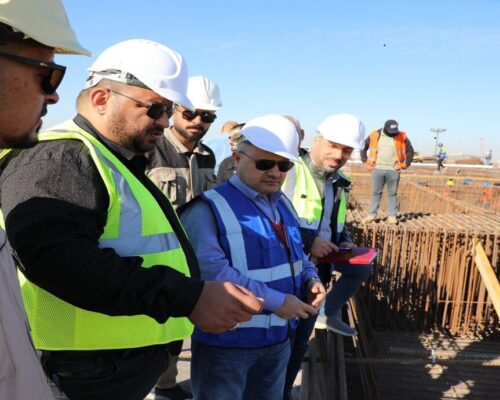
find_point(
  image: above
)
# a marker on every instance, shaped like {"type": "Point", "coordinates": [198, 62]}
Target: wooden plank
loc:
{"type": "Point", "coordinates": [488, 275]}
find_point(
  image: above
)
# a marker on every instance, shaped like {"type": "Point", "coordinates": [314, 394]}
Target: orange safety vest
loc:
{"type": "Point", "coordinates": [399, 143]}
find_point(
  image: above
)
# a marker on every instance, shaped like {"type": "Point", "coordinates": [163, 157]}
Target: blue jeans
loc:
{"type": "Point", "coordinates": [351, 280]}
{"type": "Point", "coordinates": [233, 374]}
{"type": "Point", "coordinates": [381, 177]}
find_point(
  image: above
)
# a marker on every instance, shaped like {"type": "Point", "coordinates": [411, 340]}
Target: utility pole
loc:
{"type": "Point", "coordinates": [437, 131]}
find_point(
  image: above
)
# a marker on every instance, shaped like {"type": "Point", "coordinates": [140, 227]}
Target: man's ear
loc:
{"type": "Point", "coordinates": [99, 98]}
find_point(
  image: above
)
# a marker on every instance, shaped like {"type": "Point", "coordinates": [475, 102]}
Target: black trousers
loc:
{"type": "Point", "coordinates": [106, 374]}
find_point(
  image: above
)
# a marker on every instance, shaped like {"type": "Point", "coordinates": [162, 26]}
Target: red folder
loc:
{"type": "Point", "coordinates": [356, 256]}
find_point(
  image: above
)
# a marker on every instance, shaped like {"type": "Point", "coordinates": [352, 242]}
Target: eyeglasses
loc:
{"type": "Point", "coordinates": [205, 116]}
{"type": "Point", "coordinates": [155, 110]}
{"type": "Point", "coordinates": [51, 82]}
{"type": "Point", "coordinates": [266, 165]}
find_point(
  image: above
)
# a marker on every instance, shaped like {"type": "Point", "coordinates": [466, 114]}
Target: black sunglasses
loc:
{"type": "Point", "coordinates": [155, 110]}
{"type": "Point", "coordinates": [51, 82]}
{"type": "Point", "coordinates": [205, 116]}
{"type": "Point", "coordinates": [266, 165]}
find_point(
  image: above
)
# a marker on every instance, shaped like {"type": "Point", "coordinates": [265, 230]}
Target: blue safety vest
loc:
{"type": "Point", "coordinates": [254, 249]}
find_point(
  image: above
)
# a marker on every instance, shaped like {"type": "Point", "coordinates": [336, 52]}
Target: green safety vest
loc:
{"type": "Point", "coordinates": [301, 189]}
{"type": "Point", "coordinates": [136, 226]}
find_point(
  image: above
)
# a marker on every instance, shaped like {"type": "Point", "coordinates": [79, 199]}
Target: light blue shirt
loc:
{"type": "Point", "coordinates": [221, 148]}
{"type": "Point", "coordinates": [201, 227]}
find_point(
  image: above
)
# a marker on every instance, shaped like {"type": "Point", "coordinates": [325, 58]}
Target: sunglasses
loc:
{"type": "Point", "coordinates": [205, 116]}
{"type": "Point", "coordinates": [155, 110]}
{"type": "Point", "coordinates": [266, 165]}
{"type": "Point", "coordinates": [51, 82]}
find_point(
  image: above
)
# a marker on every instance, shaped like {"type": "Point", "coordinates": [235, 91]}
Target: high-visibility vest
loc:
{"type": "Point", "coordinates": [303, 192]}
{"type": "Point", "coordinates": [253, 248]}
{"type": "Point", "coordinates": [399, 144]}
{"type": "Point", "coordinates": [135, 226]}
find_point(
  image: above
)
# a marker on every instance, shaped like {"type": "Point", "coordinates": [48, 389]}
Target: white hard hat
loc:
{"type": "Point", "coordinates": [140, 62]}
{"type": "Point", "coordinates": [345, 129]}
{"type": "Point", "coordinates": [273, 133]}
{"type": "Point", "coordinates": [203, 93]}
{"type": "Point", "coordinates": [44, 21]}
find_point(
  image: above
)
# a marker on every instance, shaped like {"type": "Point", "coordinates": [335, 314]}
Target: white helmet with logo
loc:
{"type": "Point", "coordinates": [203, 93]}
{"type": "Point", "coordinates": [144, 63]}
{"type": "Point", "coordinates": [44, 21]}
{"type": "Point", "coordinates": [273, 133]}
{"type": "Point", "coordinates": [345, 129]}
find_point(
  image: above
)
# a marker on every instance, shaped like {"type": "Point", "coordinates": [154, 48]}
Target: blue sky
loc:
{"type": "Point", "coordinates": [439, 68]}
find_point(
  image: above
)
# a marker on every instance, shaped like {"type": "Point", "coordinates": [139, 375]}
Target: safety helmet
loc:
{"type": "Point", "coordinates": [440, 145]}
{"type": "Point", "coordinates": [273, 133]}
{"type": "Point", "coordinates": [203, 93]}
{"type": "Point", "coordinates": [143, 63]}
{"type": "Point", "coordinates": [44, 21]}
{"type": "Point", "coordinates": [345, 129]}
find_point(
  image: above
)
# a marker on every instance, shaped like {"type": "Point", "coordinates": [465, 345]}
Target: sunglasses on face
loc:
{"type": "Point", "coordinates": [51, 82]}
{"type": "Point", "coordinates": [205, 116]}
{"type": "Point", "coordinates": [266, 165]}
{"type": "Point", "coordinates": [155, 110]}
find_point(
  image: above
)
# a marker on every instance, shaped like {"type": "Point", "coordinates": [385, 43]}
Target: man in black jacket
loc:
{"type": "Point", "coordinates": [106, 260]}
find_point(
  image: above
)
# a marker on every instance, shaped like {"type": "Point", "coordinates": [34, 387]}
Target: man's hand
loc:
{"type": "Point", "coordinates": [368, 167]}
{"type": "Point", "coordinates": [292, 307]}
{"type": "Point", "coordinates": [322, 247]}
{"type": "Point", "coordinates": [316, 293]}
{"type": "Point", "coordinates": [222, 305]}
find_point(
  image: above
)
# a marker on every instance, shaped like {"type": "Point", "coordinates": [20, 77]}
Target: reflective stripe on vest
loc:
{"type": "Point", "coordinates": [135, 226]}
{"type": "Point", "coordinates": [301, 189]}
{"type": "Point", "coordinates": [237, 246]}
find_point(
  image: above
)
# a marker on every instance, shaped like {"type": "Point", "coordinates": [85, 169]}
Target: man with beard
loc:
{"type": "Point", "coordinates": [31, 32]}
{"type": "Point", "coordinates": [111, 277]}
{"type": "Point", "coordinates": [181, 165]}
{"type": "Point", "coordinates": [387, 152]}
{"type": "Point", "coordinates": [318, 190]}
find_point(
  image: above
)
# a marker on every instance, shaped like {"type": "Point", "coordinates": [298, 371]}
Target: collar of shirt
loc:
{"type": "Point", "coordinates": [199, 148]}
{"type": "Point", "coordinates": [267, 204]}
{"type": "Point", "coordinates": [139, 160]}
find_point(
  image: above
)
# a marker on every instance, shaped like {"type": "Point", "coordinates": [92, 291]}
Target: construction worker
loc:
{"type": "Point", "coordinates": [441, 156]}
{"type": "Point", "coordinates": [183, 167]}
{"type": "Point", "coordinates": [227, 167]}
{"type": "Point", "coordinates": [250, 235]}
{"type": "Point", "coordinates": [318, 190]}
{"type": "Point", "coordinates": [106, 261]}
{"type": "Point", "coordinates": [487, 195]}
{"type": "Point", "coordinates": [30, 33]}
{"type": "Point", "coordinates": [387, 152]}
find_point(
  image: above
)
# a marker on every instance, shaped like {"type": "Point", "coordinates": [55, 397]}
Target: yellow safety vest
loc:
{"type": "Point", "coordinates": [302, 191]}
{"type": "Point", "coordinates": [136, 226]}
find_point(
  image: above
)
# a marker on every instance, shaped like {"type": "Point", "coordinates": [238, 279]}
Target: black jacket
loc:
{"type": "Point", "coordinates": [55, 207]}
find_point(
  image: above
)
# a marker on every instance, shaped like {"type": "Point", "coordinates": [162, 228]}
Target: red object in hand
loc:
{"type": "Point", "coordinates": [357, 256]}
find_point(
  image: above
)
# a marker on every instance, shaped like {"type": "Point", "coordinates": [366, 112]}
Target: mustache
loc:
{"type": "Point", "coordinates": [43, 112]}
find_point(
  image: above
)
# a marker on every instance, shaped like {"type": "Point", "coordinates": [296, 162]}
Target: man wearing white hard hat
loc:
{"type": "Point", "coordinates": [250, 235]}
{"type": "Point", "coordinates": [318, 190]}
{"type": "Point", "coordinates": [31, 32]}
{"type": "Point", "coordinates": [183, 167]}
{"type": "Point", "coordinates": [110, 275]}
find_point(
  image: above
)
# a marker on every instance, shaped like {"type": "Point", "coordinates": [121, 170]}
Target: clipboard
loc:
{"type": "Point", "coordinates": [355, 256]}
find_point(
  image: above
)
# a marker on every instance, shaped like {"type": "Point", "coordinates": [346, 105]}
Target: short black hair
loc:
{"type": "Point", "coordinates": [7, 34]}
